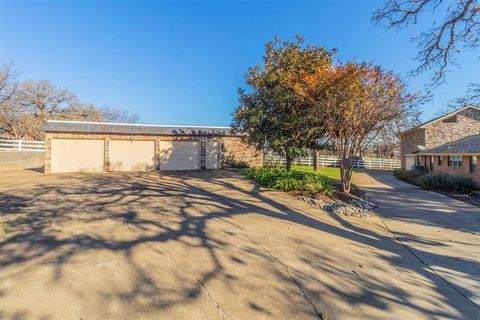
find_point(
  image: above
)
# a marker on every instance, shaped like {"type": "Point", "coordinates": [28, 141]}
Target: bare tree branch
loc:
{"type": "Point", "coordinates": [112, 114]}
{"type": "Point", "coordinates": [25, 107]}
{"type": "Point", "coordinates": [459, 28]}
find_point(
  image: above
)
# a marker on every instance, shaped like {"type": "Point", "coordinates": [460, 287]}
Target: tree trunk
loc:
{"type": "Point", "coordinates": [15, 133]}
{"type": "Point", "coordinates": [346, 184]}
{"type": "Point", "coordinates": [345, 176]}
{"type": "Point", "coordinates": [288, 161]}
{"type": "Point", "coordinates": [315, 159]}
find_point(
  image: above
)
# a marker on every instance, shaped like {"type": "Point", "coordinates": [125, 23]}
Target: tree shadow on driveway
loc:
{"type": "Point", "coordinates": [442, 232]}
{"type": "Point", "coordinates": [209, 243]}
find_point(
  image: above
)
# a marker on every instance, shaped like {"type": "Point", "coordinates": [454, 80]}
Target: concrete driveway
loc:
{"type": "Point", "coordinates": [201, 245]}
{"type": "Point", "coordinates": [442, 232]}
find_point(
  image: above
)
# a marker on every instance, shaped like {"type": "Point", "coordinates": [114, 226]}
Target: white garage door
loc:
{"type": "Point", "coordinates": [126, 155]}
{"type": "Point", "coordinates": [213, 155]}
{"type": "Point", "coordinates": [179, 155]}
{"type": "Point", "coordinates": [73, 155]}
{"type": "Point", "coordinates": [409, 162]}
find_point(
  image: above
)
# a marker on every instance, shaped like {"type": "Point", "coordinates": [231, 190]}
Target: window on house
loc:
{"type": "Point", "coordinates": [450, 120]}
{"type": "Point", "coordinates": [440, 160]}
{"type": "Point", "coordinates": [473, 164]}
{"type": "Point", "coordinates": [455, 161]}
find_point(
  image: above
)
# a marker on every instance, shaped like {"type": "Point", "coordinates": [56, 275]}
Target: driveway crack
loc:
{"type": "Point", "coordinates": [202, 284]}
{"type": "Point", "coordinates": [301, 288]}
{"type": "Point", "coordinates": [284, 266]}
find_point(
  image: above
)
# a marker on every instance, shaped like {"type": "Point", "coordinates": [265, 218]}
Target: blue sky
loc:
{"type": "Point", "coordinates": [182, 62]}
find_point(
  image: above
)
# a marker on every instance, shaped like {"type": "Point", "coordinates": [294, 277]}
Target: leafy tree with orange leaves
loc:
{"type": "Point", "coordinates": [355, 101]}
{"type": "Point", "coordinates": [271, 112]}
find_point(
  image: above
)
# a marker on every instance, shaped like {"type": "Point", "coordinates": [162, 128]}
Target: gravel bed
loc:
{"type": "Point", "coordinates": [359, 207]}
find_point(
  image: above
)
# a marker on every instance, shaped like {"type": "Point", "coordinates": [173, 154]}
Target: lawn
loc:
{"type": "Point", "coordinates": [333, 173]}
{"type": "Point", "coordinates": [300, 178]}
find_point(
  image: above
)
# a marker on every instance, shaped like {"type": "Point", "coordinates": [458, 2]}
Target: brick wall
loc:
{"type": "Point", "coordinates": [463, 171]}
{"type": "Point", "coordinates": [235, 149]}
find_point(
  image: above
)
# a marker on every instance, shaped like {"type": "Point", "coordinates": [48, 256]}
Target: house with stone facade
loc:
{"type": "Point", "coordinates": [418, 145]}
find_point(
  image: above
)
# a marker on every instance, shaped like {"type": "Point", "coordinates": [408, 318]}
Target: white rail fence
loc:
{"type": "Point", "coordinates": [328, 161]}
{"type": "Point", "coordinates": [21, 145]}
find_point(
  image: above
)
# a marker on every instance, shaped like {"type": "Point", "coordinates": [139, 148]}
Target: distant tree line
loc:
{"type": "Point", "coordinates": [26, 106]}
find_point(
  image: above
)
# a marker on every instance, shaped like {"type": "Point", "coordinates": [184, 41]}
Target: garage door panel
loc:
{"type": "Point", "coordinates": [126, 155]}
{"type": "Point", "coordinates": [77, 155]}
{"type": "Point", "coordinates": [179, 155]}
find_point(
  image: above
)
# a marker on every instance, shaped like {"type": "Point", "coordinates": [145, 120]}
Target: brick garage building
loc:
{"type": "Point", "coordinates": [458, 158]}
{"type": "Point", "coordinates": [450, 127]}
{"type": "Point", "coordinates": [73, 146]}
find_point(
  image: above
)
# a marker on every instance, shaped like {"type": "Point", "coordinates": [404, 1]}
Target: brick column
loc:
{"type": "Point", "coordinates": [157, 153]}
{"type": "Point", "coordinates": [203, 153]}
{"type": "Point", "coordinates": [222, 154]}
{"type": "Point", "coordinates": [106, 155]}
{"type": "Point", "coordinates": [48, 154]}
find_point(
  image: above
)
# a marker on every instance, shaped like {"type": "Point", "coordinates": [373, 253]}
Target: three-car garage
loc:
{"type": "Point", "coordinates": [75, 146]}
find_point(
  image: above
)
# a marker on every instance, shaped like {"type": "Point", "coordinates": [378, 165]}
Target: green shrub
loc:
{"type": "Point", "coordinates": [446, 182]}
{"type": "Point", "coordinates": [278, 178]}
{"type": "Point", "coordinates": [266, 177]}
{"type": "Point", "coordinates": [407, 175]}
{"type": "Point", "coordinates": [287, 181]}
{"type": "Point", "coordinates": [314, 183]}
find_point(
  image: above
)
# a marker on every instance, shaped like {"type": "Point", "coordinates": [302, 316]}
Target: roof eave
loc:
{"type": "Point", "coordinates": [450, 153]}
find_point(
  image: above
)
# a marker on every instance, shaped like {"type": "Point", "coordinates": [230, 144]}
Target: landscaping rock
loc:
{"type": "Point", "coordinates": [349, 207]}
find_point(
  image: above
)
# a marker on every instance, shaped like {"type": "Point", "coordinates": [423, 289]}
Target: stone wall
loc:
{"type": "Point", "coordinates": [235, 149]}
{"type": "Point", "coordinates": [441, 132]}
{"type": "Point", "coordinates": [410, 141]}
{"type": "Point", "coordinates": [20, 160]}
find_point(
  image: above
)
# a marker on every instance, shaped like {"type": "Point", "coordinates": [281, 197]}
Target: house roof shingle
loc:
{"type": "Point", "coordinates": [467, 145]}
{"type": "Point", "coordinates": [128, 128]}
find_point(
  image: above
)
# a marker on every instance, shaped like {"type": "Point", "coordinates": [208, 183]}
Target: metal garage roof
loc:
{"type": "Point", "coordinates": [133, 128]}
